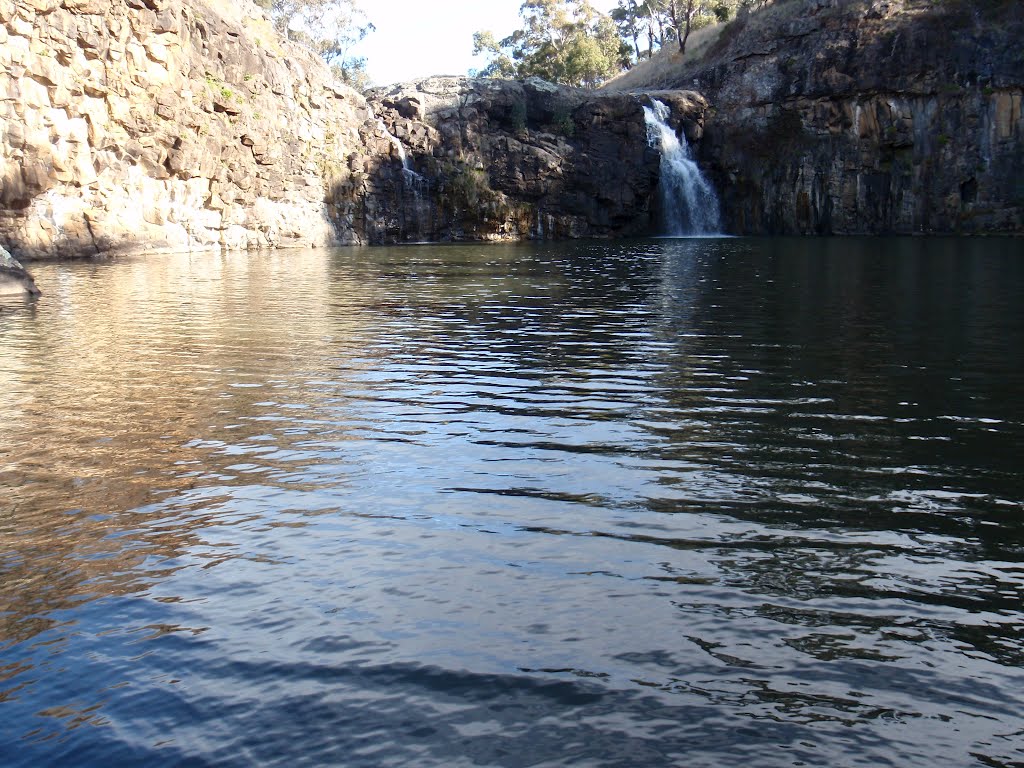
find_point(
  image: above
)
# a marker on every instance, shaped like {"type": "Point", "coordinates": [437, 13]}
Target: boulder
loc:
{"type": "Point", "coordinates": [14, 279]}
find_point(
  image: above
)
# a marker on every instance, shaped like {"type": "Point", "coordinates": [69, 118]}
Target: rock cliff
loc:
{"type": "Point", "coordinates": [163, 124]}
{"type": "Point", "coordinates": [14, 280]}
{"type": "Point", "coordinates": [867, 116]}
{"type": "Point", "coordinates": [174, 124]}
{"type": "Point", "coordinates": [489, 159]}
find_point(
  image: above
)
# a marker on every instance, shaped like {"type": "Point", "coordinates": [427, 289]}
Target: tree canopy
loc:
{"type": "Point", "coordinates": [570, 42]}
{"type": "Point", "coordinates": [657, 23]}
{"type": "Point", "coordinates": [564, 41]}
{"type": "Point", "coordinates": [331, 28]}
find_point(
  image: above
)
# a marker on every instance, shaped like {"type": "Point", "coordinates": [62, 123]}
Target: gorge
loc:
{"type": "Point", "coordinates": [131, 125]}
{"type": "Point", "coordinates": [544, 490]}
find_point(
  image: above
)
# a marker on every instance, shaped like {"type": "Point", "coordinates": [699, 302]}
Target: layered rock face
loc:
{"type": "Point", "coordinates": [128, 124]}
{"type": "Point", "coordinates": [868, 116]}
{"type": "Point", "coordinates": [169, 124]}
{"type": "Point", "coordinates": [491, 159]}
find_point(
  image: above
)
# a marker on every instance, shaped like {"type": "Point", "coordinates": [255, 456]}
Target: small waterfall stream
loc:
{"type": "Point", "coordinates": [688, 201]}
{"type": "Point", "coordinates": [407, 171]}
{"type": "Point", "coordinates": [414, 213]}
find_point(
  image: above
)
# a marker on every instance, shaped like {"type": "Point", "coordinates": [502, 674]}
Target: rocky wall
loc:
{"type": "Point", "coordinates": [876, 163]}
{"type": "Point", "coordinates": [130, 125]}
{"type": "Point", "coordinates": [158, 124]}
{"type": "Point", "coordinates": [501, 160]}
{"type": "Point", "coordinates": [868, 116]}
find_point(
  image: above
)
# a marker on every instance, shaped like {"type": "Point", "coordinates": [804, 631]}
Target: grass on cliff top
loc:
{"type": "Point", "coordinates": [667, 65]}
{"type": "Point", "coordinates": [668, 69]}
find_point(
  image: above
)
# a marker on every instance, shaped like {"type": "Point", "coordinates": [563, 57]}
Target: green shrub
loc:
{"type": "Point", "coordinates": [464, 188]}
{"type": "Point", "coordinates": [562, 122]}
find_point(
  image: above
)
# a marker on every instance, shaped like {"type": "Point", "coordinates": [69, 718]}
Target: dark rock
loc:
{"type": "Point", "coordinates": [492, 159]}
{"type": "Point", "coordinates": [13, 277]}
{"type": "Point", "coordinates": [864, 116]}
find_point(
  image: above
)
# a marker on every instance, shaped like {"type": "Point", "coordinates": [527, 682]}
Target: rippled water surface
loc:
{"type": "Point", "coordinates": [663, 503]}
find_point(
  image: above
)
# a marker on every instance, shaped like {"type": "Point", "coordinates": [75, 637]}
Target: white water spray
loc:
{"type": "Point", "coordinates": [689, 204]}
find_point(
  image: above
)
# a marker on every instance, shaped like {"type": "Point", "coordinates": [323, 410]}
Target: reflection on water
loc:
{"type": "Point", "coordinates": [654, 503]}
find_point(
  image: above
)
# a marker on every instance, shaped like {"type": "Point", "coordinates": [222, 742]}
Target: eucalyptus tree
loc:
{"type": "Point", "coordinates": [664, 21]}
{"type": "Point", "coordinates": [680, 14]}
{"type": "Point", "coordinates": [564, 41]}
{"type": "Point", "coordinates": [331, 28]}
{"type": "Point", "coordinates": [627, 18]}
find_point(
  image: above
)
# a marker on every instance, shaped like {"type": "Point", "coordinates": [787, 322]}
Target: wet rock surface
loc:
{"type": "Point", "coordinates": [14, 280]}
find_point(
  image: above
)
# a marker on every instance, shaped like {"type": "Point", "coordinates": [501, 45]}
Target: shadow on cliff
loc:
{"type": "Point", "coordinates": [68, 248]}
{"type": "Point", "coordinates": [503, 160]}
{"type": "Point", "coordinates": [879, 124]}
{"type": "Point", "coordinates": [430, 199]}
{"type": "Point", "coordinates": [383, 200]}
{"type": "Point", "coordinates": [423, 198]}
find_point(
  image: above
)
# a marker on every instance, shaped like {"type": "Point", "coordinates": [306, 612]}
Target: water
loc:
{"type": "Point", "coordinates": [661, 503]}
{"type": "Point", "coordinates": [689, 206]}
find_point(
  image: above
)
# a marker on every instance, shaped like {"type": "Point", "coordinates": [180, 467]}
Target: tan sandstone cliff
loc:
{"type": "Point", "coordinates": [170, 124]}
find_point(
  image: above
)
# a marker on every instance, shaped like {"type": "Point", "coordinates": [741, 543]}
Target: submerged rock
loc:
{"type": "Point", "coordinates": [14, 279]}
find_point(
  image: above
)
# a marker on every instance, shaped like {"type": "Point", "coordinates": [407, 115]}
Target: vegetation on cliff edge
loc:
{"type": "Point", "coordinates": [331, 28]}
{"type": "Point", "coordinates": [570, 42]}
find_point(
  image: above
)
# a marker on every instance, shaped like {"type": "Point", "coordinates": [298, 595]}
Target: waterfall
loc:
{"type": "Point", "coordinates": [689, 204]}
{"type": "Point", "coordinates": [414, 214]}
{"type": "Point", "coordinates": [407, 171]}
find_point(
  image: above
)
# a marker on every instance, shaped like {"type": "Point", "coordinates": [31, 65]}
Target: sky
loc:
{"type": "Point", "coordinates": [417, 38]}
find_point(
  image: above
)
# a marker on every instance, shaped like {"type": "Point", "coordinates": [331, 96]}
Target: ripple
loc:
{"type": "Point", "coordinates": [593, 504]}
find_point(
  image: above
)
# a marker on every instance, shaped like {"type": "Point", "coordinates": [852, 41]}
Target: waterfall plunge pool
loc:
{"type": "Point", "coordinates": [660, 503]}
